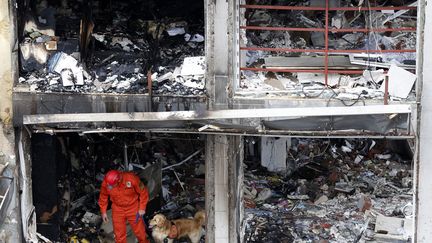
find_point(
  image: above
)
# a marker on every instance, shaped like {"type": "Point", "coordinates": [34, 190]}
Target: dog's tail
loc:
{"type": "Point", "coordinates": [200, 217]}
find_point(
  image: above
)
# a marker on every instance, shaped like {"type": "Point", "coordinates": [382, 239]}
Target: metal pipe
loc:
{"type": "Point", "coordinates": [282, 70]}
{"type": "Point", "coordinates": [280, 49]}
{"type": "Point", "coordinates": [125, 157]}
{"type": "Point", "coordinates": [183, 161]}
{"type": "Point", "coordinates": [372, 51]}
{"type": "Point", "coordinates": [273, 7]}
{"type": "Point", "coordinates": [266, 133]}
{"type": "Point", "coordinates": [374, 30]}
{"type": "Point", "coordinates": [271, 28]}
{"type": "Point", "coordinates": [386, 94]}
{"type": "Point", "coordinates": [326, 38]}
{"type": "Point", "coordinates": [373, 8]}
{"type": "Point", "coordinates": [278, 28]}
{"type": "Point", "coordinates": [149, 82]}
{"type": "Point", "coordinates": [321, 50]}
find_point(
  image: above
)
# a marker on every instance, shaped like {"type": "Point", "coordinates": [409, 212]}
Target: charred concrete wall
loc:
{"type": "Point", "coordinates": [10, 230]}
{"type": "Point", "coordinates": [26, 103]}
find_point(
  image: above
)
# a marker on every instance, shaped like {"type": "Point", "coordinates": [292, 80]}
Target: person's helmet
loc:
{"type": "Point", "coordinates": [112, 177]}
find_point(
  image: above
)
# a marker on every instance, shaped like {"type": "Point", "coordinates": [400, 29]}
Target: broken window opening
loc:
{"type": "Point", "coordinates": [338, 190]}
{"type": "Point", "coordinates": [67, 171]}
{"type": "Point", "coordinates": [127, 46]}
{"type": "Point", "coordinates": [343, 52]}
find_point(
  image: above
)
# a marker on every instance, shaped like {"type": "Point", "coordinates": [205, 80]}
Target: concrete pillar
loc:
{"type": "Point", "coordinates": [219, 51]}
{"type": "Point", "coordinates": [7, 69]}
{"type": "Point", "coordinates": [10, 231]}
{"type": "Point", "coordinates": [223, 161]}
{"type": "Point", "coordinates": [423, 158]}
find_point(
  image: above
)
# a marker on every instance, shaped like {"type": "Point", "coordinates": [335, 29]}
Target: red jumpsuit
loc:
{"type": "Point", "coordinates": [128, 196]}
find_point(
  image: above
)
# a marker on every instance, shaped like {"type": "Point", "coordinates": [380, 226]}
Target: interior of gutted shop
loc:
{"type": "Point", "coordinates": [327, 190]}
{"type": "Point", "coordinates": [126, 46]}
{"type": "Point", "coordinates": [68, 169]}
{"type": "Point", "coordinates": [329, 49]}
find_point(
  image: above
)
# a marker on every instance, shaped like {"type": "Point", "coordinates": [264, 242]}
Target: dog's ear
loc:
{"type": "Point", "coordinates": [160, 220]}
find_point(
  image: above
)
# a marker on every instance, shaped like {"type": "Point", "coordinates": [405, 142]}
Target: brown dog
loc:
{"type": "Point", "coordinates": [178, 228]}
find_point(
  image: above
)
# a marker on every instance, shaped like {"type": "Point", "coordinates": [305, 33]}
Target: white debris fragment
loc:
{"type": "Point", "coordinates": [193, 66]}
{"type": "Point", "coordinates": [78, 75]}
{"type": "Point", "coordinates": [197, 38]}
{"type": "Point", "coordinates": [187, 37]}
{"type": "Point", "coordinates": [67, 77]}
{"type": "Point", "coordinates": [265, 194]}
{"type": "Point", "coordinates": [338, 21]}
{"type": "Point", "coordinates": [63, 61]}
{"type": "Point", "coordinates": [358, 159]}
{"type": "Point", "coordinates": [347, 96]}
{"type": "Point", "coordinates": [191, 83]}
{"type": "Point", "coordinates": [42, 20]}
{"type": "Point", "coordinates": [376, 76]}
{"type": "Point", "coordinates": [54, 80]}
{"type": "Point", "coordinates": [111, 78]}
{"type": "Point", "coordinates": [346, 149]}
{"type": "Point", "coordinates": [124, 42]}
{"type": "Point", "coordinates": [99, 37]}
{"type": "Point", "coordinates": [372, 145]}
{"type": "Point", "coordinates": [154, 76]}
{"type": "Point", "coordinates": [321, 200]}
{"type": "Point", "coordinates": [33, 87]}
{"type": "Point", "coordinates": [400, 82]}
{"type": "Point", "coordinates": [176, 31]}
{"type": "Point", "coordinates": [166, 76]}
{"type": "Point", "coordinates": [333, 79]}
{"type": "Point", "coordinates": [91, 218]}
{"type": "Point", "coordinates": [393, 226]}
{"type": "Point", "coordinates": [123, 85]}
{"type": "Point", "coordinates": [383, 156]}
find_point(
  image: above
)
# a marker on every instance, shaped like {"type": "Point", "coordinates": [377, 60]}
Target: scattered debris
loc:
{"type": "Point", "coordinates": [307, 79]}
{"type": "Point", "coordinates": [120, 48]}
{"type": "Point", "coordinates": [323, 195]}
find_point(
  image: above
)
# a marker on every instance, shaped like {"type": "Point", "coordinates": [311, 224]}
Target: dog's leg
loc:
{"type": "Point", "coordinates": [157, 239]}
{"type": "Point", "coordinates": [194, 237]}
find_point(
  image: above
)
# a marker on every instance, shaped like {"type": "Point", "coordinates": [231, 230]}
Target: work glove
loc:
{"type": "Point", "coordinates": [139, 215]}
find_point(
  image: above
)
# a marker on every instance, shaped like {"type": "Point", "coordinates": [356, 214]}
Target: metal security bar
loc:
{"type": "Point", "coordinates": [326, 31]}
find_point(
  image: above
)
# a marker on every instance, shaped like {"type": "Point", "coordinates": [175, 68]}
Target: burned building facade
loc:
{"type": "Point", "coordinates": [304, 118]}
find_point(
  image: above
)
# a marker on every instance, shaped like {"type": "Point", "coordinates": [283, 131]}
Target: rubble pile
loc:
{"type": "Point", "coordinates": [183, 189]}
{"type": "Point", "coordinates": [346, 87]}
{"type": "Point", "coordinates": [112, 49]}
{"type": "Point", "coordinates": [332, 191]}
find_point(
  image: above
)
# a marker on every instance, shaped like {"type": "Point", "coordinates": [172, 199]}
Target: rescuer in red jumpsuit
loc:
{"type": "Point", "coordinates": [129, 199]}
